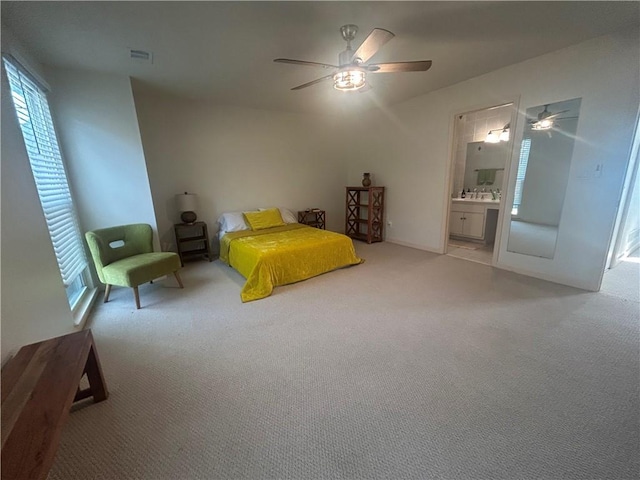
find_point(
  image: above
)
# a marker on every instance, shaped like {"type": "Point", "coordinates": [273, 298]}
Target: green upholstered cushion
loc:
{"type": "Point", "coordinates": [134, 262]}
{"type": "Point", "coordinates": [139, 269]}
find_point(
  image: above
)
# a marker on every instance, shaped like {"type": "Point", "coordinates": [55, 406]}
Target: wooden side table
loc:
{"type": "Point", "coordinates": [192, 240]}
{"type": "Point", "coordinates": [313, 218]}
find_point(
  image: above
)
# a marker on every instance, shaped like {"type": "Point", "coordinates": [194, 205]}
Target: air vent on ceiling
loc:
{"type": "Point", "coordinates": [140, 56]}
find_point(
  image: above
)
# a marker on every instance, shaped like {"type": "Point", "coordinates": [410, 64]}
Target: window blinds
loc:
{"type": "Point", "coordinates": [522, 169]}
{"type": "Point", "coordinates": [32, 108]}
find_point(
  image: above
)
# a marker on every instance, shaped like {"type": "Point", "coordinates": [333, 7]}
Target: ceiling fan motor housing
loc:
{"type": "Point", "coordinates": [349, 32]}
{"type": "Point", "coordinates": [344, 58]}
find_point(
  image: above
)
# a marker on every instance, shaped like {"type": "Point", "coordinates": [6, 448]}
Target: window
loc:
{"type": "Point", "coordinates": [34, 117]}
{"type": "Point", "coordinates": [522, 169]}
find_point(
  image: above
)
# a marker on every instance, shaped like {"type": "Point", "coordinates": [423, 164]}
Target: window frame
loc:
{"type": "Point", "coordinates": [31, 105]}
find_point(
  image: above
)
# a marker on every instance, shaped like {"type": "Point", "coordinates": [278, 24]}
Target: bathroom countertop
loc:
{"type": "Point", "coordinates": [477, 201]}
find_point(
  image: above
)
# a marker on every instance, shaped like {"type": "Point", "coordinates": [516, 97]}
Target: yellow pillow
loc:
{"type": "Point", "coordinates": [264, 219]}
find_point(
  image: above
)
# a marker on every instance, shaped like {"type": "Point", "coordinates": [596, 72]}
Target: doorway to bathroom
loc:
{"type": "Point", "coordinates": [481, 149]}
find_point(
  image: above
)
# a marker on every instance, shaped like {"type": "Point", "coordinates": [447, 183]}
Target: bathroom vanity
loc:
{"type": "Point", "coordinates": [474, 219]}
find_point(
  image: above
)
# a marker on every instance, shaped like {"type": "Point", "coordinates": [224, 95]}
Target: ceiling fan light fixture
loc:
{"type": "Point", "coordinates": [349, 80]}
{"type": "Point", "coordinates": [544, 124]}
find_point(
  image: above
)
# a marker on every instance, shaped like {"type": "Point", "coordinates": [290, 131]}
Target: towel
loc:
{"type": "Point", "coordinates": [487, 176]}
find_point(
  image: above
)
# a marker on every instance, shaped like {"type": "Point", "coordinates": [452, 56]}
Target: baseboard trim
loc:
{"type": "Point", "coordinates": [546, 278]}
{"type": "Point", "coordinates": [414, 245]}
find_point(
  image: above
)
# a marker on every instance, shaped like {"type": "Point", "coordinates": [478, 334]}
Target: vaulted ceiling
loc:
{"type": "Point", "coordinates": [224, 51]}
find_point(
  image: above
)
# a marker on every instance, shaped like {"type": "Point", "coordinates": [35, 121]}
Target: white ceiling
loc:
{"type": "Point", "coordinates": [224, 51]}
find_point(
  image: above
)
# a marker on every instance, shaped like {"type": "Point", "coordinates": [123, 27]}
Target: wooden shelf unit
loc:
{"type": "Point", "coordinates": [364, 219]}
{"type": "Point", "coordinates": [313, 218]}
{"type": "Point", "coordinates": [192, 240]}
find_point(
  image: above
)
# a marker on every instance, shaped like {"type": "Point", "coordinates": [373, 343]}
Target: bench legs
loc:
{"type": "Point", "coordinates": [97, 386]}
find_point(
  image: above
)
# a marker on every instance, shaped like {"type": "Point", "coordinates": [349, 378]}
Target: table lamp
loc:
{"type": "Point", "coordinates": [187, 203]}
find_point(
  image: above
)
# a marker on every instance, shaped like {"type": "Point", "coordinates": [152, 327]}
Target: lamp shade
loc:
{"type": "Point", "coordinates": [187, 202]}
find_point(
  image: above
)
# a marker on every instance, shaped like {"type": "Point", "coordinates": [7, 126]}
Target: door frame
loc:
{"type": "Point", "coordinates": [615, 244]}
{"type": "Point", "coordinates": [512, 102]}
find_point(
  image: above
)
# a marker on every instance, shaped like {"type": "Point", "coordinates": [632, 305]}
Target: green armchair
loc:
{"type": "Point", "coordinates": [133, 262]}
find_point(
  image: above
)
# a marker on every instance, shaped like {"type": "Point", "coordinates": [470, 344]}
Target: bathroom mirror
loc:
{"type": "Point", "coordinates": [542, 177]}
{"type": "Point", "coordinates": [484, 166]}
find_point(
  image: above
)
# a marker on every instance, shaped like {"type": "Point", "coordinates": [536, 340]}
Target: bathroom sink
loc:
{"type": "Point", "coordinates": [478, 200]}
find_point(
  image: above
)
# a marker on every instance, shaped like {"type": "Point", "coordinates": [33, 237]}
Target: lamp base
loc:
{"type": "Point", "coordinates": [188, 217]}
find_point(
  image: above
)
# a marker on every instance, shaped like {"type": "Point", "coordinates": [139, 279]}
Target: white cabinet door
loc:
{"type": "Point", "coordinates": [473, 225]}
{"type": "Point", "coordinates": [456, 221]}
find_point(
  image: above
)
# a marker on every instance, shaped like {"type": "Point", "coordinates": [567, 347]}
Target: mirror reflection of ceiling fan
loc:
{"type": "Point", "coordinates": [351, 72]}
{"type": "Point", "coordinates": [545, 119]}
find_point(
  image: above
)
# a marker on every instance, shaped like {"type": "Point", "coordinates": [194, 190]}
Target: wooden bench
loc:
{"type": "Point", "coordinates": [39, 385]}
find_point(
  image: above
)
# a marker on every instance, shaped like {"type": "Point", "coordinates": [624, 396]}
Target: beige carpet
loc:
{"type": "Point", "coordinates": [411, 365]}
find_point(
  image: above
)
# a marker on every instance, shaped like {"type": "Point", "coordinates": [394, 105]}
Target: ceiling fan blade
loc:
{"type": "Point", "coordinates": [318, 80]}
{"type": "Point", "coordinates": [303, 62]}
{"type": "Point", "coordinates": [556, 114]}
{"type": "Point", "coordinates": [395, 67]}
{"type": "Point", "coordinates": [376, 39]}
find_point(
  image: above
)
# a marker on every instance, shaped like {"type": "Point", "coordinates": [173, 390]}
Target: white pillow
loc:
{"type": "Point", "coordinates": [232, 222]}
{"type": "Point", "coordinates": [287, 215]}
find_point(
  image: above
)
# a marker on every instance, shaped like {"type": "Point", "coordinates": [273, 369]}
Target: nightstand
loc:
{"type": "Point", "coordinates": [192, 240]}
{"type": "Point", "coordinates": [313, 218]}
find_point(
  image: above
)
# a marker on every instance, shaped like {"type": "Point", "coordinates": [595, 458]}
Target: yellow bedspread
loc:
{"type": "Point", "coordinates": [282, 255]}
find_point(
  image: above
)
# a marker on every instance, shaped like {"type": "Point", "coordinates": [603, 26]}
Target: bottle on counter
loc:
{"type": "Point", "coordinates": [463, 195]}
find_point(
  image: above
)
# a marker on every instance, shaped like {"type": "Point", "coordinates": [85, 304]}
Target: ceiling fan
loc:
{"type": "Point", "coordinates": [545, 119]}
{"type": "Point", "coordinates": [351, 72]}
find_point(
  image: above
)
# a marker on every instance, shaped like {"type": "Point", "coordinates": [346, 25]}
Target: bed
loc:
{"type": "Point", "coordinates": [271, 256]}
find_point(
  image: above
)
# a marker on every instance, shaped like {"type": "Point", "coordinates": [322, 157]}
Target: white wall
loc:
{"type": "Point", "coordinates": [99, 135]}
{"type": "Point", "coordinates": [238, 159]}
{"type": "Point", "coordinates": [33, 300]}
{"type": "Point", "coordinates": [408, 148]}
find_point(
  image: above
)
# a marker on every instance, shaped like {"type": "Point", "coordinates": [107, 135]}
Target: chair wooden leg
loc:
{"type": "Point", "coordinates": [177, 275]}
{"type": "Point", "coordinates": [106, 293]}
{"type": "Point", "coordinates": [137, 297]}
